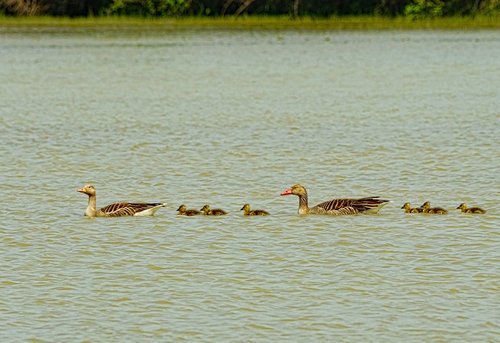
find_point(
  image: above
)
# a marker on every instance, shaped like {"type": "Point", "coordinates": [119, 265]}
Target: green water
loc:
{"type": "Point", "coordinates": [228, 118]}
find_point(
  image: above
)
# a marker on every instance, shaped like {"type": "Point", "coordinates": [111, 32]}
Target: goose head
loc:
{"type": "Point", "coordinates": [182, 208]}
{"type": "Point", "coordinates": [245, 208]}
{"type": "Point", "coordinates": [297, 189]}
{"type": "Point", "coordinates": [426, 205]}
{"type": "Point", "coordinates": [87, 189]}
{"type": "Point", "coordinates": [205, 209]}
{"type": "Point", "coordinates": [406, 206]}
{"type": "Point", "coordinates": [462, 206]}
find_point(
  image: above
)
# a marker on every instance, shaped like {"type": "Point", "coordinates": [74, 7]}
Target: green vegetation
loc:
{"type": "Point", "coordinates": [219, 8]}
{"type": "Point", "coordinates": [254, 14]}
{"type": "Point", "coordinates": [256, 22]}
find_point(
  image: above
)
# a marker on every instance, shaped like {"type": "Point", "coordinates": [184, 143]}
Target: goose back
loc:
{"type": "Point", "coordinates": [120, 209]}
{"type": "Point", "coordinates": [351, 206]}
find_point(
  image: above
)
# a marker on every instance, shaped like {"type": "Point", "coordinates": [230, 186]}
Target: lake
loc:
{"type": "Point", "coordinates": [234, 117]}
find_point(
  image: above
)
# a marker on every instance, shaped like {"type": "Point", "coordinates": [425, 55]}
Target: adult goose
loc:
{"type": "Point", "coordinates": [475, 210]}
{"type": "Point", "coordinates": [248, 212]}
{"type": "Point", "coordinates": [117, 209]}
{"type": "Point", "coordinates": [206, 210]}
{"type": "Point", "coordinates": [336, 207]}
{"type": "Point", "coordinates": [184, 211]}
{"type": "Point", "coordinates": [408, 209]}
{"type": "Point", "coordinates": [426, 207]}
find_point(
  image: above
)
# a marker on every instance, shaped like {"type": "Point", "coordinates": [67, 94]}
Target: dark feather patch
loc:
{"type": "Point", "coordinates": [127, 209]}
{"type": "Point", "coordinates": [357, 205]}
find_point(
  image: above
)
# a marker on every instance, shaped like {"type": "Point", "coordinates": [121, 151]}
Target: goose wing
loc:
{"type": "Point", "coordinates": [118, 209]}
{"type": "Point", "coordinates": [352, 205]}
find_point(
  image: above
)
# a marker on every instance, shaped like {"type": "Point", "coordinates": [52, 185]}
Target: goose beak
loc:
{"type": "Point", "coordinates": [286, 192]}
{"type": "Point", "coordinates": [81, 190]}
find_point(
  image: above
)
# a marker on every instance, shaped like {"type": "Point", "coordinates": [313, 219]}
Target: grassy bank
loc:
{"type": "Point", "coordinates": [245, 23]}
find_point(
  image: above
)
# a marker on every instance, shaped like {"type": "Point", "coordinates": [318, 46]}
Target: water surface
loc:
{"type": "Point", "coordinates": [227, 118]}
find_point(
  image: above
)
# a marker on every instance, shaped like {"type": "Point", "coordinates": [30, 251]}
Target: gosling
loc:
{"type": "Point", "coordinates": [248, 212]}
{"type": "Point", "coordinates": [207, 211]}
{"type": "Point", "coordinates": [183, 211]}
{"type": "Point", "coordinates": [408, 209]}
{"type": "Point", "coordinates": [474, 210]}
{"type": "Point", "coordinates": [426, 207]}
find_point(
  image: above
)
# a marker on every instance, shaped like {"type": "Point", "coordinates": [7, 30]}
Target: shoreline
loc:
{"type": "Point", "coordinates": [256, 23]}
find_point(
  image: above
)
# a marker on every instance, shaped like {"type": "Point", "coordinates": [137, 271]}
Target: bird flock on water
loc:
{"type": "Point", "coordinates": [334, 207]}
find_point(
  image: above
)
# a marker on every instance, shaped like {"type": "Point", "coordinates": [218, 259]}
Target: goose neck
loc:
{"type": "Point", "coordinates": [91, 210]}
{"type": "Point", "coordinates": [303, 204]}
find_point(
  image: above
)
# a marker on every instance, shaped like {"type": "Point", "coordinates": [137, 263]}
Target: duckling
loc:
{"type": "Point", "coordinates": [408, 209]}
{"type": "Point", "coordinates": [475, 210]}
{"type": "Point", "coordinates": [248, 212]}
{"type": "Point", "coordinates": [437, 210]}
{"type": "Point", "coordinates": [426, 207]}
{"type": "Point", "coordinates": [215, 212]}
{"type": "Point", "coordinates": [183, 210]}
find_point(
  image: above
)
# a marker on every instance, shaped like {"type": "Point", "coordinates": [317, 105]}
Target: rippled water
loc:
{"type": "Point", "coordinates": [232, 117]}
